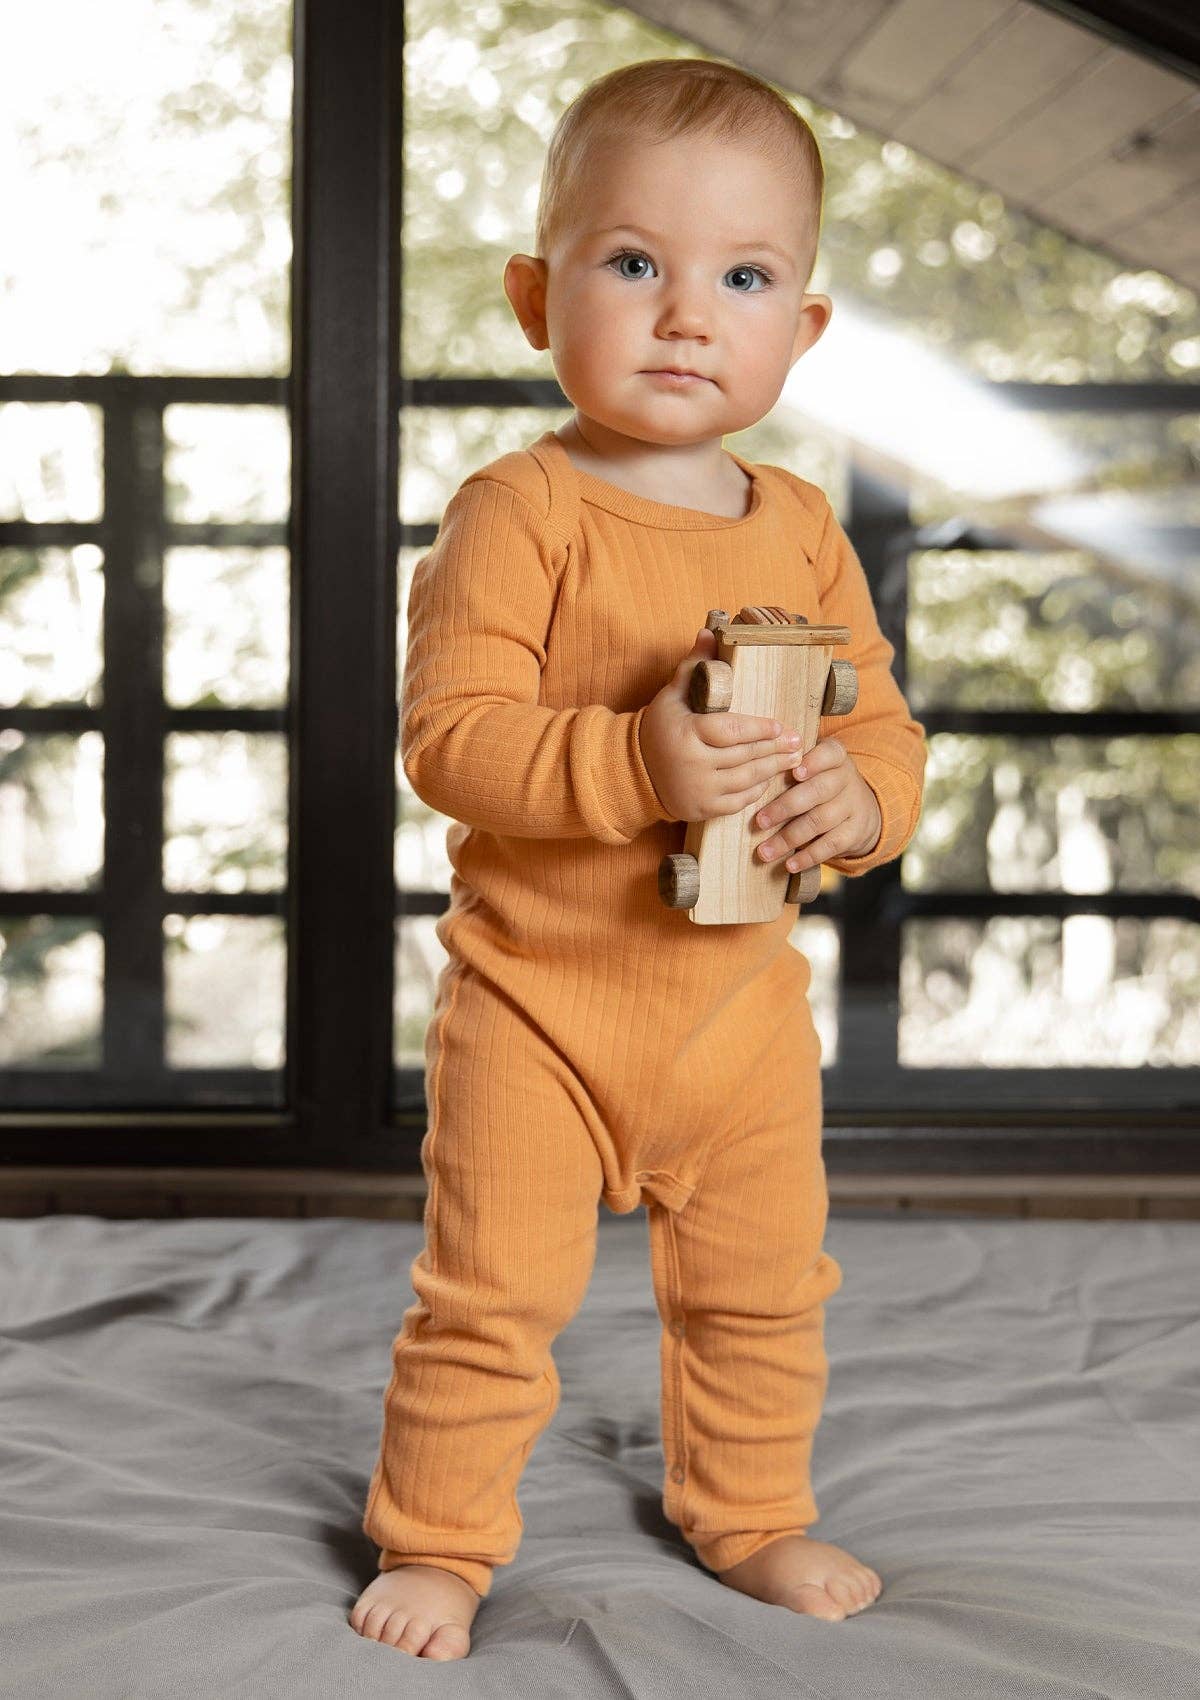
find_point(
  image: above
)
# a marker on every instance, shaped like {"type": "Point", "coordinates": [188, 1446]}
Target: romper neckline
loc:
{"type": "Point", "coordinates": [666, 516]}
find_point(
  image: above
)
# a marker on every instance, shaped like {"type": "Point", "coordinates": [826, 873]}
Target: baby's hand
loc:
{"type": "Point", "coordinates": [703, 765]}
{"type": "Point", "coordinates": [834, 812]}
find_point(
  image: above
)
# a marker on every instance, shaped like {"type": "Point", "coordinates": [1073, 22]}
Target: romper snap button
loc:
{"type": "Point", "coordinates": [677, 1474]}
{"type": "Point", "coordinates": [678, 1330]}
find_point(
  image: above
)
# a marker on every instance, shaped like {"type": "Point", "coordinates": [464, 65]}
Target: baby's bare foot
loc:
{"type": "Point", "coordinates": [420, 1609]}
{"type": "Point", "coordinates": [806, 1575]}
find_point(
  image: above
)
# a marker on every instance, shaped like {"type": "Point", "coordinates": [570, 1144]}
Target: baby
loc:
{"type": "Point", "coordinates": [587, 1042]}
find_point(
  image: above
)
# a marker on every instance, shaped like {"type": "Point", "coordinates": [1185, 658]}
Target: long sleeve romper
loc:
{"type": "Point", "coordinates": [588, 1043]}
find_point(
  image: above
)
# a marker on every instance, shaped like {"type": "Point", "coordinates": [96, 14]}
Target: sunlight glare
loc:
{"type": "Point", "coordinates": [880, 386]}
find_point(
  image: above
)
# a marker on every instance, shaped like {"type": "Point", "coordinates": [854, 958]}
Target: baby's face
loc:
{"type": "Point", "coordinates": [690, 253]}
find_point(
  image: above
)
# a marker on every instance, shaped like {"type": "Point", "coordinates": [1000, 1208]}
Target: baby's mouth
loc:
{"type": "Point", "coordinates": [668, 376]}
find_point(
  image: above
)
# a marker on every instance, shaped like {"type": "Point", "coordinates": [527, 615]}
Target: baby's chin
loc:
{"type": "Point", "coordinates": [662, 433]}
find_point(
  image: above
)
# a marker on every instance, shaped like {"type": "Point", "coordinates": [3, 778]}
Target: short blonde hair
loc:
{"type": "Point", "coordinates": [662, 98]}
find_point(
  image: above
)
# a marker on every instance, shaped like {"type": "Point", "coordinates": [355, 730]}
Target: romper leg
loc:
{"type": "Point", "coordinates": [510, 1244]}
{"type": "Point", "coordinates": [740, 1281]}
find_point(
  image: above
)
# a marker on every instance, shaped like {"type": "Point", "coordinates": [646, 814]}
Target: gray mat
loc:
{"type": "Point", "coordinates": [190, 1412]}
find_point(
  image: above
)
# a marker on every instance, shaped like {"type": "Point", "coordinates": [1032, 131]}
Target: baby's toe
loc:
{"type": "Point", "coordinates": [370, 1624]}
{"type": "Point", "coordinates": [845, 1590]}
{"type": "Point", "coordinates": [818, 1601]}
{"type": "Point", "coordinates": [868, 1589]}
{"type": "Point", "coordinates": [409, 1634]}
{"type": "Point", "coordinates": [450, 1641]}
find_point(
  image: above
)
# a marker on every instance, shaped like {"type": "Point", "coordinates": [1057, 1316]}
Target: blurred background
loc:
{"type": "Point", "coordinates": [253, 336]}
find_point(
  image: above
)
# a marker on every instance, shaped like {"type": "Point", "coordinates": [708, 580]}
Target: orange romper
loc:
{"type": "Point", "coordinates": [589, 1043]}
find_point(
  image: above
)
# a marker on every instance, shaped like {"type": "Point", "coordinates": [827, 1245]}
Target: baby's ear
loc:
{"type": "Point", "coordinates": [525, 286]}
{"type": "Point", "coordinates": [815, 313]}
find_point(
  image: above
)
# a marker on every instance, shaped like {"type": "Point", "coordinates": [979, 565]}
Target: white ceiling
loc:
{"type": "Point", "coordinates": [1084, 134]}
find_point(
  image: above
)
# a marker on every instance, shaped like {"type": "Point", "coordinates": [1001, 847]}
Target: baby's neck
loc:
{"type": "Point", "coordinates": [710, 479]}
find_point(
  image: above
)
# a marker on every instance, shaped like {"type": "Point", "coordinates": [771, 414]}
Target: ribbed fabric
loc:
{"type": "Point", "coordinates": [588, 1043]}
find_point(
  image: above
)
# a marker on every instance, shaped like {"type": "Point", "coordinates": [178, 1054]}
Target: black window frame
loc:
{"type": "Point", "coordinates": [345, 1107]}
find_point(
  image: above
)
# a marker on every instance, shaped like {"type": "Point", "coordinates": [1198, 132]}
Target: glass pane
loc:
{"type": "Point", "coordinates": [226, 811]}
{"type": "Point", "coordinates": [226, 626]}
{"type": "Point", "coordinates": [932, 277]}
{"type": "Point", "coordinates": [440, 446]}
{"type": "Point", "coordinates": [51, 810]}
{"type": "Point", "coordinates": [225, 991]}
{"type": "Point", "coordinates": [482, 91]}
{"type": "Point", "coordinates": [420, 863]}
{"type": "Point", "coordinates": [226, 463]}
{"type": "Point", "coordinates": [146, 157]}
{"type": "Point", "coordinates": [146, 153]}
{"type": "Point", "coordinates": [1058, 814]}
{"type": "Point", "coordinates": [51, 620]}
{"type": "Point", "coordinates": [788, 437]}
{"type": "Point", "coordinates": [1005, 629]}
{"type": "Point", "coordinates": [51, 988]}
{"type": "Point", "coordinates": [1102, 480]}
{"type": "Point", "coordinates": [957, 272]}
{"type": "Point", "coordinates": [1033, 992]}
{"type": "Point", "coordinates": [406, 561]}
{"type": "Point", "coordinates": [49, 450]}
{"type": "Point", "coordinates": [420, 859]}
{"type": "Point", "coordinates": [817, 937]}
{"type": "Point", "coordinates": [419, 959]}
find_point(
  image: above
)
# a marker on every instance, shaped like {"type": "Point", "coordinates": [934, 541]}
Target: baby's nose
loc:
{"type": "Point", "coordinates": [683, 313]}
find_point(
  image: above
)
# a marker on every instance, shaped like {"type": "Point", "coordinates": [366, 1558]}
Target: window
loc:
{"type": "Point", "coordinates": [1019, 486]}
{"type": "Point", "coordinates": [144, 567]}
{"type": "Point", "coordinates": [220, 462]}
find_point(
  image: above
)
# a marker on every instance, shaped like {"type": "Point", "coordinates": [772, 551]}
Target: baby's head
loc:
{"type": "Point", "coordinates": [678, 225]}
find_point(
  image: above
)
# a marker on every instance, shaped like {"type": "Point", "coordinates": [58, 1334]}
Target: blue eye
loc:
{"type": "Point", "coordinates": [640, 259]}
{"type": "Point", "coordinates": [750, 271]}
{"type": "Point", "coordinates": [629, 254]}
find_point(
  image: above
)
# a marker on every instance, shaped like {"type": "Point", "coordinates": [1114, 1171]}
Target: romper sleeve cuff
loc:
{"type": "Point", "coordinates": [899, 799]}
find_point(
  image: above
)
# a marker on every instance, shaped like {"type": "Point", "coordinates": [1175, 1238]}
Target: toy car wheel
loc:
{"type": "Point", "coordinates": [710, 688]}
{"type": "Point", "coordinates": [804, 886]}
{"type": "Point", "coordinates": [841, 688]}
{"type": "Point", "coordinates": [679, 881]}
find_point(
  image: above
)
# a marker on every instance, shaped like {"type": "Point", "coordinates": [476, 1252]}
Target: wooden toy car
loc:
{"type": "Point", "coordinates": [774, 664]}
